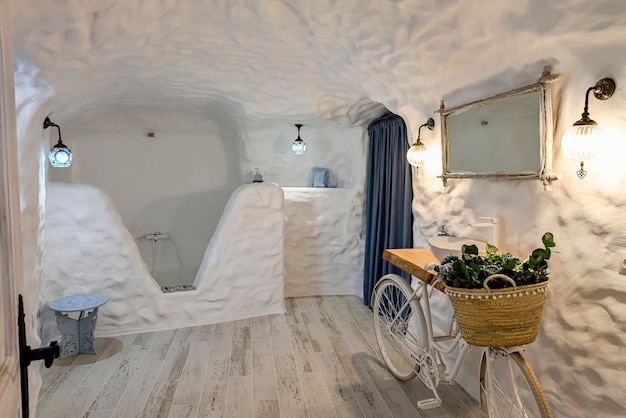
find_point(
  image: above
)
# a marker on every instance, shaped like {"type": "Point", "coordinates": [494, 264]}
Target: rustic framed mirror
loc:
{"type": "Point", "coordinates": [506, 136]}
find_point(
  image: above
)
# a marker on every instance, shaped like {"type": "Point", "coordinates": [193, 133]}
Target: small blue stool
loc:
{"type": "Point", "coordinates": [77, 334]}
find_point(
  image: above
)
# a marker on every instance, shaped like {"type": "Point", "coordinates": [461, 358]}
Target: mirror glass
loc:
{"type": "Point", "coordinates": [502, 136]}
{"type": "Point", "coordinates": [507, 136]}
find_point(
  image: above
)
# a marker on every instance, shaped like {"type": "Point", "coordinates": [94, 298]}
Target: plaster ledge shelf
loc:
{"type": "Point", "coordinates": [309, 189]}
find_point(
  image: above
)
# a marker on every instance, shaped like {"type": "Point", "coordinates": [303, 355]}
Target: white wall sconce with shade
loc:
{"type": "Point", "coordinates": [299, 146]}
{"type": "Point", "coordinates": [416, 155]}
{"type": "Point", "coordinates": [584, 139]}
{"type": "Point", "coordinates": [60, 155]}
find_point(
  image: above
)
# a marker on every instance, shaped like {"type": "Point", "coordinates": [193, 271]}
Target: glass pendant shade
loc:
{"type": "Point", "coordinates": [60, 155]}
{"type": "Point", "coordinates": [582, 142]}
{"type": "Point", "coordinates": [299, 146]}
{"type": "Point", "coordinates": [416, 155]}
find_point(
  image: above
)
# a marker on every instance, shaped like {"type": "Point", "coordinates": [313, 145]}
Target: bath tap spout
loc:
{"type": "Point", "coordinates": [443, 231]}
{"type": "Point", "coordinates": [492, 223]}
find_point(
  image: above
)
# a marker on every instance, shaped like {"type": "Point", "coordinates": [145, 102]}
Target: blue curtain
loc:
{"type": "Point", "coordinates": [389, 220]}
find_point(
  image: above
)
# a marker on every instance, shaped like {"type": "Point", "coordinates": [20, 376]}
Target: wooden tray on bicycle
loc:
{"type": "Point", "coordinates": [411, 260]}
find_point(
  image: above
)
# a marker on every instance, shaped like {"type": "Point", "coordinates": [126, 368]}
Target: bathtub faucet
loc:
{"type": "Point", "coordinates": [156, 236]}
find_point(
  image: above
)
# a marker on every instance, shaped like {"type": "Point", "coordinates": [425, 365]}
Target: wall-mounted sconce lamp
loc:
{"type": "Point", "coordinates": [583, 140]}
{"type": "Point", "coordinates": [416, 154]}
{"type": "Point", "coordinates": [299, 146]}
{"type": "Point", "coordinates": [59, 155]}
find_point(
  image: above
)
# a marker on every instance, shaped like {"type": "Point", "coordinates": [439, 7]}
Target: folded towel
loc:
{"type": "Point", "coordinates": [320, 177]}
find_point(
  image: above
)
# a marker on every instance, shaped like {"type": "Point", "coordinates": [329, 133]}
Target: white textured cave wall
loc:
{"type": "Point", "coordinates": [579, 355]}
{"type": "Point", "coordinates": [407, 55]}
{"type": "Point", "coordinates": [29, 95]}
{"type": "Point", "coordinates": [176, 182]}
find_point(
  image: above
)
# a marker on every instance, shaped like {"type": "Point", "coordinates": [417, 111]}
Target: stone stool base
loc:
{"type": "Point", "coordinates": [77, 334]}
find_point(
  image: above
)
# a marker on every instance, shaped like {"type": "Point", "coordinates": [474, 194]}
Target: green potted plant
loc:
{"type": "Point", "coordinates": [472, 269]}
{"type": "Point", "coordinates": [497, 298]}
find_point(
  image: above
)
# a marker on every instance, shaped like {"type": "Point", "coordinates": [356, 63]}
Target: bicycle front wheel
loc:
{"type": "Point", "coordinates": [399, 326]}
{"type": "Point", "coordinates": [509, 387]}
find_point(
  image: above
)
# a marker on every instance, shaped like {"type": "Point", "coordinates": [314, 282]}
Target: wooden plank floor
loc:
{"type": "Point", "coordinates": [320, 359]}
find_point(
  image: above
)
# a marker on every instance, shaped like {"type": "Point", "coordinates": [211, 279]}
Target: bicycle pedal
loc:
{"type": "Point", "coordinates": [429, 403]}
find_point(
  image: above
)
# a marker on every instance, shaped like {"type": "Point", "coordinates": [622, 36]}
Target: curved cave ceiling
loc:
{"type": "Point", "coordinates": [280, 59]}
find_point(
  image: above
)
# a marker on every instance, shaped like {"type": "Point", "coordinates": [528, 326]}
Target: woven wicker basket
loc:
{"type": "Point", "coordinates": [498, 317]}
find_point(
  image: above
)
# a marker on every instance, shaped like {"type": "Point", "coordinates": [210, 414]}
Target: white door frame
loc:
{"type": "Point", "coordinates": [11, 276]}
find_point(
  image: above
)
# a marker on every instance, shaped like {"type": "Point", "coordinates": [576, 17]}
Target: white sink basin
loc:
{"type": "Point", "coordinates": [442, 246]}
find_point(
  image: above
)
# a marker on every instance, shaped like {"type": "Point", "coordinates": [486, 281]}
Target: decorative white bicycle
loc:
{"type": "Point", "coordinates": [404, 331]}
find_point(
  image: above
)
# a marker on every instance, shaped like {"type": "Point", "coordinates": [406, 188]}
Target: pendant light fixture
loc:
{"type": "Point", "coordinates": [583, 140]}
{"type": "Point", "coordinates": [60, 155]}
{"type": "Point", "coordinates": [417, 153]}
{"type": "Point", "coordinates": [299, 146]}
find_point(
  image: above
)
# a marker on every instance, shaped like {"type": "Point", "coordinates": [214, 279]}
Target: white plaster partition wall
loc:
{"type": "Point", "coordinates": [176, 182]}
{"type": "Point", "coordinates": [89, 250]}
{"type": "Point", "coordinates": [324, 242]}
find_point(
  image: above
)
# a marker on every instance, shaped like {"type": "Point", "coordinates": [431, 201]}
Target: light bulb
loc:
{"type": "Point", "coordinates": [416, 155]}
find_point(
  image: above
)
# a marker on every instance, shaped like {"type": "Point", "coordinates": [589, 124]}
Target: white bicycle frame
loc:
{"type": "Point", "coordinates": [429, 372]}
{"type": "Point", "coordinates": [430, 359]}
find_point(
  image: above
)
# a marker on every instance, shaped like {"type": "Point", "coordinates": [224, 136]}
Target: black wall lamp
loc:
{"type": "Point", "coordinates": [417, 153]}
{"type": "Point", "coordinates": [583, 140]}
{"type": "Point", "coordinates": [60, 155]}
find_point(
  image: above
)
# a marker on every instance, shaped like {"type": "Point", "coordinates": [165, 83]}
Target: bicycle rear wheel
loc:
{"type": "Point", "coordinates": [509, 387]}
{"type": "Point", "coordinates": [399, 326]}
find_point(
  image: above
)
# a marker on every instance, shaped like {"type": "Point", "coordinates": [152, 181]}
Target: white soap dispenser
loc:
{"type": "Point", "coordinates": [257, 178]}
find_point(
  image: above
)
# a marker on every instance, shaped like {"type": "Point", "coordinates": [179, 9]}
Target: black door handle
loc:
{"type": "Point", "coordinates": [48, 354]}
{"type": "Point", "coordinates": [27, 355]}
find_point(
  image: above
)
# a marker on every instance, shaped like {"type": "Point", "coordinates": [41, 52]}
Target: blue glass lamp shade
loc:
{"type": "Point", "coordinates": [299, 146]}
{"type": "Point", "coordinates": [60, 155]}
